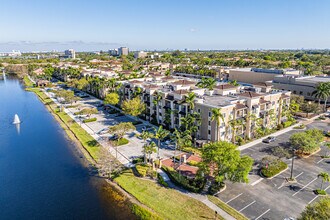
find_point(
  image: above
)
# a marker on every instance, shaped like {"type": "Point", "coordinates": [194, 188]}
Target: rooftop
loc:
{"type": "Point", "coordinates": [218, 100]}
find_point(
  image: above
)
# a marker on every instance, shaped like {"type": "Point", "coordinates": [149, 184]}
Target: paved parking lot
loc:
{"type": "Point", "coordinates": [276, 198]}
{"type": "Point", "coordinates": [104, 120]}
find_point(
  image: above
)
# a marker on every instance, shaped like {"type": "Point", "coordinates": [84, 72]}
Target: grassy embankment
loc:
{"type": "Point", "coordinates": [227, 208]}
{"type": "Point", "coordinates": [167, 203]}
{"type": "Point", "coordinates": [73, 130]}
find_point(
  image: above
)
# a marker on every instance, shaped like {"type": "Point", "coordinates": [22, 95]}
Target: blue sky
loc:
{"type": "Point", "coordinates": [162, 24]}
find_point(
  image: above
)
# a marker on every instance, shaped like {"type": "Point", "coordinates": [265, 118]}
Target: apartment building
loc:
{"type": "Point", "coordinates": [140, 54]}
{"type": "Point", "coordinates": [165, 104]}
{"type": "Point", "coordinates": [300, 85]}
{"type": "Point", "coordinates": [255, 75]}
{"type": "Point", "coordinates": [123, 51]}
{"type": "Point", "coordinates": [70, 53]}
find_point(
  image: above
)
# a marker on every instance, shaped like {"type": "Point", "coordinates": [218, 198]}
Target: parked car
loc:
{"type": "Point", "coordinates": [269, 139]}
{"type": "Point", "coordinates": [113, 137]}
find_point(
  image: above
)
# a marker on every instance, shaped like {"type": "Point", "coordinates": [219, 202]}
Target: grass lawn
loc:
{"type": "Point", "coordinates": [227, 208]}
{"type": "Point", "coordinates": [167, 203]}
{"type": "Point", "coordinates": [71, 127]}
{"type": "Point", "coordinates": [27, 81]}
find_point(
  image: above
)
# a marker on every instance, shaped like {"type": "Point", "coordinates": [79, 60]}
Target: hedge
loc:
{"type": "Point", "coordinates": [161, 180]}
{"type": "Point", "coordinates": [122, 141]}
{"type": "Point", "coordinates": [89, 120]}
{"type": "Point", "coordinates": [179, 180]}
{"type": "Point", "coordinates": [142, 170]}
{"type": "Point", "coordinates": [273, 169]}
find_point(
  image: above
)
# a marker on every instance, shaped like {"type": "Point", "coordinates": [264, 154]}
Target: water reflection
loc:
{"type": "Point", "coordinates": [18, 128]}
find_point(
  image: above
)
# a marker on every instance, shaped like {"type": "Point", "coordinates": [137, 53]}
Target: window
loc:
{"type": "Point", "coordinates": [210, 114]}
{"type": "Point", "coordinates": [300, 93]}
{"type": "Point", "coordinates": [199, 110]}
{"type": "Point", "coordinates": [209, 132]}
{"type": "Point", "coordinates": [308, 94]}
{"type": "Point", "coordinates": [209, 123]}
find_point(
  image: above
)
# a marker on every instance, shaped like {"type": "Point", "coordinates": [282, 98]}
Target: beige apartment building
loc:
{"type": "Point", "coordinates": [241, 106]}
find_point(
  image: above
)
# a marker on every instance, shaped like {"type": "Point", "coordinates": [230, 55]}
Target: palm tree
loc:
{"type": "Point", "coordinates": [149, 149]}
{"type": "Point", "coordinates": [156, 100]}
{"type": "Point", "coordinates": [234, 83]}
{"type": "Point", "coordinates": [175, 136]}
{"type": "Point", "coordinates": [250, 117]}
{"type": "Point", "coordinates": [207, 83]}
{"type": "Point", "coordinates": [190, 100]}
{"type": "Point", "coordinates": [217, 116]}
{"type": "Point", "coordinates": [325, 178]}
{"type": "Point", "coordinates": [234, 124]}
{"type": "Point", "coordinates": [160, 134]}
{"type": "Point", "coordinates": [145, 135]}
{"type": "Point", "coordinates": [322, 91]}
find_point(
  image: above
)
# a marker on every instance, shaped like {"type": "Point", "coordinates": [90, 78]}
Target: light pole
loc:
{"type": "Point", "coordinates": [294, 152]}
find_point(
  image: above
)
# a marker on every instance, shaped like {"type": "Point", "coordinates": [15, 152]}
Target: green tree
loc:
{"type": "Point", "coordinates": [156, 99]}
{"type": "Point", "coordinates": [325, 178]}
{"type": "Point", "coordinates": [190, 100]}
{"type": "Point", "coordinates": [149, 149]}
{"type": "Point", "coordinates": [207, 83]}
{"type": "Point", "coordinates": [217, 116]}
{"type": "Point", "coordinates": [111, 98]}
{"type": "Point", "coordinates": [307, 141]}
{"type": "Point", "coordinates": [133, 107]}
{"type": "Point", "coordinates": [145, 135]}
{"type": "Point", "coordinates": [225, 162]}
{"type": "Point", "coordinates": [322, 92]}
{"type": "Point", "coordinates": [121, 129]}
{"type": "Point", "coordinates": [317, 211]}
{"type": "Point", "coordinates": [160, 134]}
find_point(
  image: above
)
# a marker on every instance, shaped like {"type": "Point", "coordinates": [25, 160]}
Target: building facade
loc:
{"type": "Point", "coordinates": [241, 107]}
{"type": "Point", "coordinates": [303, 85]}
{"type": "Point", "coordinates": [256, 75]}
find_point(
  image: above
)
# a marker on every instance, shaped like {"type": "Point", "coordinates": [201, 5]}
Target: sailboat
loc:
{"type": "Point", "coordinates": [16, 119]}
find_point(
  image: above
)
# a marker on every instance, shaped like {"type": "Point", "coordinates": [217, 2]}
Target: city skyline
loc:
{"type": "Point", "coordinates": [161, 25]}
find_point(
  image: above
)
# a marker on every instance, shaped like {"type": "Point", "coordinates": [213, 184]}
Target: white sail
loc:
{"type": "Point", "coordinates": [16, 120]}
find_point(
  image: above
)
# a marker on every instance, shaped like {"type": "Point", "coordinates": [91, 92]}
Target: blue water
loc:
{"type": "Point", "coordinates": [41, 176]}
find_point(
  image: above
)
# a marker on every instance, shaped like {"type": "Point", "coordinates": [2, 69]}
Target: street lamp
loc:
{"type": "Point", "coordinates": [291, 176]}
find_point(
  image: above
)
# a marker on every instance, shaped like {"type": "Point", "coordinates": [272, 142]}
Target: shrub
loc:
{"type": "Point", "coordinates": [142, 169]}
{"type": "Point", "coordinates": [287, 124]}
{"type": "Point", "coordinates": [161, 180]}
{"type": "Point", "coordinates": [180, 180]}
{"type": "Point", "coordinates": [193, 163]}
{"type": "Point", "coordinates": [302, 126]}
{"type": "Point", "coordinates": [280, 126]}
{"type": "Point", "coordinates": [122, 141]}
{"type": "Point", "coordinates": [215, 187]}
{"type": "Point", "coordinates": [138, 160]}
{"type": "Point", "coordinates": [320, 192]}
{"type": "Point", "coordinates": [89, 120]}
{"type": "Point", "coordinates": [137, 122]}
{"type": "Point", "coordinates": [239, 140]}
{"type": "Point", "coordinates": [270, 166]}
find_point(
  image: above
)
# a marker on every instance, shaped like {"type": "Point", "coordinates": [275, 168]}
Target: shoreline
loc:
{"type": "Point", "coordinates": [88, 161]}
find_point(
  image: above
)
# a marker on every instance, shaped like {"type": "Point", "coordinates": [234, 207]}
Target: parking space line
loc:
{"type": "Point", "coordinates": [234, 198]}
{"type": "Point", "coordinates": [312, 200]}
{"type": "Point", "coordinates": [262, 214]}
{"type": "Point", "coordinates": [305, 186]}
{"type": "Point", "coordinates": [327, 188]}
{"type": "Point", "coordinates": [257, 181]}
{"type": "Point", "coordinates": [247, 206]}
{"type": "Point", "coordinates": [299, 175]}
{"type": "Point", "coordinates": [320, 161]}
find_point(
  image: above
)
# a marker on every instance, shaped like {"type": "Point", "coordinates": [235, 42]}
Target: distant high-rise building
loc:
{"type": "Point", "coordinates": [140, 54]}
{"type": "Point", "coordinates": [70, 53]}
{"type": "Point", "coordinates": [113, 52]}
{"type": "Point", "coordinates": [123, 51]}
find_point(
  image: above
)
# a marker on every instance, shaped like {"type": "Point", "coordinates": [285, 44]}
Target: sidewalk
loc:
{"type": "Point", "coordinates": [120, 157]}
{"type": "Point", "coordinates": [199, 197]}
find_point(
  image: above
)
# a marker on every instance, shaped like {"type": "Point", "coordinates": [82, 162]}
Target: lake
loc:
{"type": "Point", "coordinates": [42, 175]}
